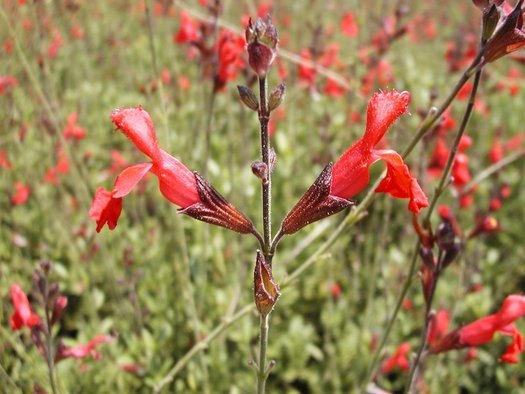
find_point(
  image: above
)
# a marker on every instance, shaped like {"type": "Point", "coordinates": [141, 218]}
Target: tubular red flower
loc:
{"type": "Point", "coordinates": [82, 351]}
{"type": "Point", "coordinates": [348, 25]}
{"type": "Point", "coordinates": [21, 194]}
{"type": "Point", "coordinates": [398, 359]}
{"type": "Point", "coordinates": [350, 173]}
{"type": "Point", "coordinates": [105, 209]}
{"type": "Point", "coordinates": [23, 314]}
{"type": "Point", "coordinates": [176, 182]}
{"type": "Point", "coordinates": [188, 31]}
{"type": "Point", "coordinates": [482, 330]}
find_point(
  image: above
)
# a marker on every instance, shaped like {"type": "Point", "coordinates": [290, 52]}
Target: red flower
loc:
{"type": "Point", "coordinates": [329, 194]}
{"type": "Point", "coordinates": [7, 82]}
{"type": "Point", "coordinates": [482, 330]}
{"type": "Point", "coordinates": [350, 173]}
{"type": "Point", "coordinates": [72, 129]}
{"type": "Point", "coordinates": [4, 161]}
{"type": "Point", "coordinates": [188, 31]}
{"type": "Point", "coordinates": [305, 72]}
{"type": "Point", "coordinates": [23, 314]}
{"type": "Point", "coordinates": [348, 26]}
{"type": "Point", "coordinates": [439, 326]}
{"type": "Point", "coordinates": [21, 194]}
{"type": "Point", "coordinates": [335, 290]}
{"type": "Point", "coordinates": [82, 351]}
{"type": "Point", "coordinates": [55, 45]}
{"type": "Point", "coordinates": [334, 89]}
{"type": "Point", "coordinates": [496, 150]}
{"type": "Point", "coordinates": [176, 182]}
{"type": "Point", "coordinates": [229, 51]}
{"type": "Point", "coordinates": [398, 359]}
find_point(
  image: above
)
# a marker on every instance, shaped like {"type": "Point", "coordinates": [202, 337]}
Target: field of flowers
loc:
{"type": "Point", "coordinates": [354, 222]}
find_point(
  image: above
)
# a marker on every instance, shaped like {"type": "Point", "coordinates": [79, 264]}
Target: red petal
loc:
{"type": "Point", "coordinates": [514, 349]}
{"type": "Point", "coordinates": [176, 182]}
{"type": "Point", "coordinates": [512, 309]}
{"type": "Point", "coordinates": [105, 209]}
{"type": "Point", "coordinates": [398, 181]}
{"type": "Point", "coordinates": [23, 315]}
{"type": "Point", "coordinates": [478, 332]}
{"type": "Point", "coordinates": [137, 125]}
{"type": "Point", "coordinates": [16, 322]}
{"type": "Point", "coordinates": [383, 109]}
{"type": "Point", "coordinates": [82, 351]}
{"type": "Point", "coordinates": [350, 173]}
{"type": "Point", "coordinates": [21, 194]}
{"type": "Point", "coordinates": [128, 178]}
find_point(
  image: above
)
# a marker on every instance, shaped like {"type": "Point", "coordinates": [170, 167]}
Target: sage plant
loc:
{"type": "Point", "coordinates": [328, 195]}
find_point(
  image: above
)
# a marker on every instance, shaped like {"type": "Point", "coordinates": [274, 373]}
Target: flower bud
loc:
{"type": "Point", "coordinates": [451, 254]}
{"type": "Point", "coordinates": [58, 309]}
{"type": "Point", "coordinates": [248, 97]}
{"type": "Point", "coordinates": [260, 170]}
{"type": "Point", "coordinates": [445, 235]}
{"type": "Point", "coordinates": [265, 290]}
{"type": "Point", "coordinates": [262, 42]}
{"type": "Point", "coordinates": [276, 96]}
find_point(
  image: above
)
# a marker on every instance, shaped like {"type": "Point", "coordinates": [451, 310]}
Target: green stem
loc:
{"type": "Point", "coordinates": [266, 185]}
{"type": "Point", "coordinates": [49, 344]}
{"type": "Point", "coordinates": [262, 372]}
{"type": "Point", "coordinates": [264, 118]}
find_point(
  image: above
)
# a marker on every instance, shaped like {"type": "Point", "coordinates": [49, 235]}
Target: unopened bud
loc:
{"type": "Point", "coordinates": [262, 40]}
{"type": "Point", "coordinates": [265, 290]}
{"type": "Point", "coordinates": [427, 256]}
{"type": "Point", "coordinates": [277, 96]}
{"type": "Point", "coordinates": [445, 235]}
{"type": "Point", "coordinates": [46, 266]}
{"type": "Point", "coordinates": [52, 294]}
{"type": "Point", "coordinates": [39, 280]}
{"type": "Point", "coordinates": [260, 170]}
{"type": "Point", "coordinates": [248, 97]}
{"type": "Point", "coordinates": [58, 309]}
{"type": "Point", "coordinates": [451, 254]}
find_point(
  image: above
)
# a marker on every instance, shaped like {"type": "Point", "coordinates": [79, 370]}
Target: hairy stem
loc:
{"type": "Point", "coordinates": [263, 344]}
{"type": "Point", "coordinates": [266, 184]}
{"type": "Point", "coordinates": [264, 118]}
{"type": "Point", "coordinates": [49, 344]}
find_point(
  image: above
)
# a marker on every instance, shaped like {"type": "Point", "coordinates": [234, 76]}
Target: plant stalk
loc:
{"type": "Point", "coordinates": [262, 372]}
{"type": "Point", "coordinates": [266, 185]}
{"type": "Point", "coordinates": [439, 190]}
{"type": "Point", "coordinates": [49, 344]}
{"type": "Point", "coordinates": [264, 118]}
